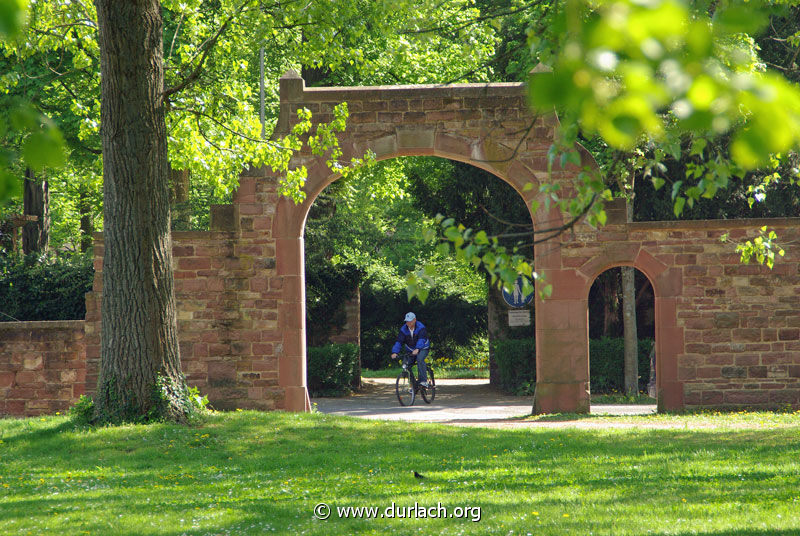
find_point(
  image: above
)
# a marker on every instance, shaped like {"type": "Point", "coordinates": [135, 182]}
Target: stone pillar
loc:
{"type": "Point", "coordinates": [562, 355]}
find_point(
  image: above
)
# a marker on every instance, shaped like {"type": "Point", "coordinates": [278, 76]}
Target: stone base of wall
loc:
{"type": "Point", "coordinates": [42, 366]}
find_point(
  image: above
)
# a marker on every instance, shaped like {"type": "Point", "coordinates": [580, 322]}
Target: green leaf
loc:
{"type": "Point", "coordinates": [733, 19]}
{"type": "Point", "coordinates": [749, 149]}
{"type": "Point", "coordinates": [12, 17]}
{"type": "Point", "coordinates": [452, 234]}
{"type": "Point", "coordinates": [481, 238]}
{"type": "Point", "coordinates": [546, 291]}
{"type": "Point", "coordinates": [678, 207]}
{"type": "Point", "coordinates": [44, 149]}
{"type": "Point", "coordinates": [676, 188]}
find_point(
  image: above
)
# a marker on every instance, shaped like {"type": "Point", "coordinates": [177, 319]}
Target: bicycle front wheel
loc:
{"type": "Point", "coordinates": [429, 393]}
{"type": "Point", "coordinates": [405, 389]}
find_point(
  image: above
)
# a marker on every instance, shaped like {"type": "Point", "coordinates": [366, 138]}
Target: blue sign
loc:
{"type": "Point", "coordinates": [516, 298]}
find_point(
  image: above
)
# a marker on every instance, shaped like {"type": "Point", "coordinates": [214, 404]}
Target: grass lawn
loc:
{"type": "Point", "coordinates": [263, 473]}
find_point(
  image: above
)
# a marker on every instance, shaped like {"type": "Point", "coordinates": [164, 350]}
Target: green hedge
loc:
{"type": "Point", "coordinates": [35, 287]}
{"type": "Point", "coordinates": [516, 364]}
{"type": "Point", "coordinates": [331, 369]}
{"type": "Point", "coordinates": [607, 364]}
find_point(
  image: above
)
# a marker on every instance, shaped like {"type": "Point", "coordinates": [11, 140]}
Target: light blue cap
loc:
{"type": "Point", "coordinates": [410, 317]}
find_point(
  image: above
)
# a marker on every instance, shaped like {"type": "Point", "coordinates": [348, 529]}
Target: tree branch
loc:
{"type": "Point", "coordinates": [206, 47]}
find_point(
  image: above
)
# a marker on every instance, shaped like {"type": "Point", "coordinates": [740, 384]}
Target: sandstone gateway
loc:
{"type": "Point", "coordinates": [727, 334]}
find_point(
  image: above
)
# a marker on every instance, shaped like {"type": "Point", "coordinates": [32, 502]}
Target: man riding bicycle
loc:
{"type": "Point", "coordinates": [414, 336]}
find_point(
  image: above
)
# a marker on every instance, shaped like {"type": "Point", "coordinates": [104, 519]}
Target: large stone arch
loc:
{"type": "Point", "coordinates": [489, 126]}
{"type": "Point", "coordinates": [728, 334]}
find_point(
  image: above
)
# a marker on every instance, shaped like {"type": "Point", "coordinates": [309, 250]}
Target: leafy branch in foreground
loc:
{"type": "Point", "coordinates": [763, 248]}
{"type": "Point", "coordinates": [660, 71]}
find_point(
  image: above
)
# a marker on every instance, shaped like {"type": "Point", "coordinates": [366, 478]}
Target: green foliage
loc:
{"type": "Point", "coordinates": [516, 364]}
{"type": "Point", "coordinates": [763, 248]}
{"type": "Point", "coordinates": [199, 402]}
{"type": "Point", "coordinates": [471, 356]}
{"type": "Point", "coordinates": [28, 138]}
{"type": "Point", "coordinates": [606, 364]}
{"type": "Point", "coordinates": [37, 287]}
{"type": "Point", "coordinates": [12, 17]}
{"type": "Point", "coordinates": [618, 66]}
{"type": "Point", "coordinates": [660, 74]}
{"type": "Point", "coordinates": [331, 369]}
{"type": "Point", "coordinates": [83, 410]}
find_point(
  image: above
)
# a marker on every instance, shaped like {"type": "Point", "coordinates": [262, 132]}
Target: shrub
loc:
{"type": "Point", "coordinates": [331, 369]}
{"type": "Point", "coordinates": [474, 355]}
{"type": "Point", "coordinates": [516, 364]}
{"type": "Point", "coordinates": [36, 287]}
{"type": "Point", "coordinates": [83, 410]}
{"type": "Point", "coordinates": [607, 364]}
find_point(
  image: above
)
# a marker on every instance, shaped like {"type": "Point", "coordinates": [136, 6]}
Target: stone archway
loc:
{"type": "Point", "coordinates": [667, 339]}
{"type": "Point", "coordinates": [489, 126]}
{"type": "Point", "coordinates": [728, 335]}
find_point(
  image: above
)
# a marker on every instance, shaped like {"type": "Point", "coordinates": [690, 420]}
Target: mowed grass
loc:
{"type": "Point", "coordinates": [263, 473]}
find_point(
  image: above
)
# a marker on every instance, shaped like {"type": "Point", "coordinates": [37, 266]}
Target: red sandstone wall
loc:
{"type": "Point", "coordinates": [42, 366]}
{"type": "Point", "coordinates": [226, 292]}
{"type": "Point", "coordinates": [734, 329]}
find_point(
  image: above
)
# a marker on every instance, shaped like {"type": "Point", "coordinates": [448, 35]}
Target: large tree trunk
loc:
{"type": "Point", "coordinates": [36, 202]}
{"type": "Point", "coordinates": [629, 324]}
{"type": "Point", "coordinates": [140, 372]}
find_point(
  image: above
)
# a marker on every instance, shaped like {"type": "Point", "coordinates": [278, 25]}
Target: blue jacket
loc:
{"type": "Point", "coordinates": [412, 342]}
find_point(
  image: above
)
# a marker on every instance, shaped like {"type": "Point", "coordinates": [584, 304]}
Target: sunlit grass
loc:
{"type": "Point", "coordinates": [263, 473]}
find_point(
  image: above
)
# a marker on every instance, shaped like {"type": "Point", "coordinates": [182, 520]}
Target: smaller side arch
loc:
{"type": "Point", "coordinates": [669, 336]}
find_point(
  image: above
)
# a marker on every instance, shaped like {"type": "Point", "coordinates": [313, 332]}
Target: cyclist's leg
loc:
{"type": "Point", "coordinates": [423, 376]}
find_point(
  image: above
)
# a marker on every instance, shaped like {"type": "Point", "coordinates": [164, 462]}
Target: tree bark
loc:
{"type": "Point", "coordinates": [179, 198]}
{"type": "Point", "coordinates": [497, 327]}
{"type": "Point", "coordinates": [629, 325]}
{"type": "Point", "coordinates": [140, 375]}
{"type": "Point", "coordinates": [87, 223]}
{"type": "Point", "coordinates": [36, 202]}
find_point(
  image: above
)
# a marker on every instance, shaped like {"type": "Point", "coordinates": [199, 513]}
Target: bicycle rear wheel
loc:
{"type": "Point", "coordinates": [405, 389]}
{"type": "Point", "coordinates": [429, 393]}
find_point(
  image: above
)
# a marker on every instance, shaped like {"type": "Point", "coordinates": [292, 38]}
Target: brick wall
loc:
{"type": "Point", "coordinates": [226, 295]}
{"type": "Point", "coordinates": [728, 333]}
{"type": "Point", "coordinates": [42, 366]}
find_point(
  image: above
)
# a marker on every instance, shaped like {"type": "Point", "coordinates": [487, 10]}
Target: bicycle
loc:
{"type": "Point", "coordinates": [407, 385]}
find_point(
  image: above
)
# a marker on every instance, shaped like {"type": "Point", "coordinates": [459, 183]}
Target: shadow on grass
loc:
{"type": "Point", "coordinates": [269, 470]}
